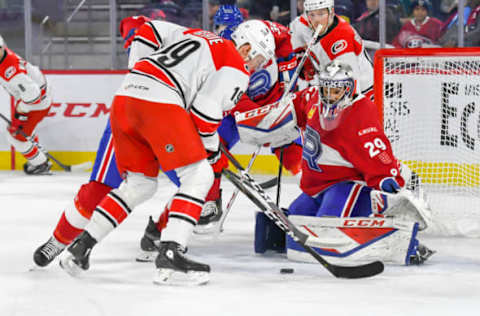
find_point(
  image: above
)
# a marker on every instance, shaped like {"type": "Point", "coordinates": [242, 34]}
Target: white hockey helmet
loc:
{"type": "Point", "coordinates": [337, 87]}
{"type": "Point", "coordinates": [310, 5]}
{"type": "Point", "coordinates": [258, 35]}
{"type": "Point", "coordinates": [2, 42]}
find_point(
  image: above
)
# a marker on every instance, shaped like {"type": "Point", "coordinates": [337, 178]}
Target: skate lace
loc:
{"type": "Point", "coordinates": [50, 250]}
{"type": "Point", "coordinates": [209, 208]}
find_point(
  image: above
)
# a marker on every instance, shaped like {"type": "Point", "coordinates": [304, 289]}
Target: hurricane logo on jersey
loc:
{"type": "Point", "coordinates": [10, 72]}
{"type": "Point", "coordinates": [339, 46]}
{"type": "Point", "coordinates": [260, 84]}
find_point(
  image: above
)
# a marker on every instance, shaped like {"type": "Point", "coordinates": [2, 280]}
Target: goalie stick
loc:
{"type": "Point", "coordinates": [281, 220]}
{"type": "Point", "coordinates": [235, 193]}
{"type": "Point", "coordinates": [69, 168]}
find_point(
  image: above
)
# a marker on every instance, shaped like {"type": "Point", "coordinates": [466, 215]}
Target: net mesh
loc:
{"type": "Point", "coordinates": [431, 113]}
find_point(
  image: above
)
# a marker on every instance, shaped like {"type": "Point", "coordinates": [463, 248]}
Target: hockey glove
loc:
{"type": "Point", "coordinates": [389, 185]}
{"type": "Point", "coordinates": [16, 124]}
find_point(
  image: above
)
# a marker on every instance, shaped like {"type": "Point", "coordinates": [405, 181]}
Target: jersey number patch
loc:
{"type": "Point", "coordinates": [176, 53]}
{"type": "Point", "coordinates": [375, 147]}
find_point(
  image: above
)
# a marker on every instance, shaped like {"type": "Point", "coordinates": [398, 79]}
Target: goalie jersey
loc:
{"type": "Point", "coordinates": [357, 150]}
{"type": "Point", "coordinates": [340, 42]}
{"type": "Point", "coordinates": [191, 67]}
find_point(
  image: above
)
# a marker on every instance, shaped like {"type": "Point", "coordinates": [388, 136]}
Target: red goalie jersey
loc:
{"type": "Point", "coordinates": [358, 150]}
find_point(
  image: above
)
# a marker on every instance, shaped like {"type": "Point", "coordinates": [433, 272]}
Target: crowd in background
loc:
{"type": "Point", "coordinates": [410, 23]}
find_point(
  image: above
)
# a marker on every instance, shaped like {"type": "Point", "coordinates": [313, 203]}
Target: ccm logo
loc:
{"type": "Point", "coordinates": [257, 112]}
{"type": "Point", "coordinates": [77, 109]}
{"type": "Point", "coordinates": [364, 222]}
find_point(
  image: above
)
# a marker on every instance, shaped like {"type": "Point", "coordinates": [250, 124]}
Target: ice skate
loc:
{"type": "Point", "coordinates": [209, 218]}
{"type": "Point", "coordinates": [149, 243]}
{"type": "Point", "coordinates": [42, 169]}
{"type": "Point", "coordinates": [422, 253]}
{"type": "Point", "coordinates": [175, 269]}
{"type": "Point", "coordinates": [77, 257]}
{"type": "Point", "coordinates": [47, 252]}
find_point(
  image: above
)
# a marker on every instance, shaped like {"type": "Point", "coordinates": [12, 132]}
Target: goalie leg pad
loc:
{"type": "Point", "coordinates": [267, 235]}
{"type": "Point", "coordinates": [345, 199]}
{"type": "Point", "coordinates": [360, 239]}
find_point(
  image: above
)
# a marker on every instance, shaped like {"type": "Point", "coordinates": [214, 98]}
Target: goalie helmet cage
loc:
{"type": "Point", "coordinates": [429, 103]}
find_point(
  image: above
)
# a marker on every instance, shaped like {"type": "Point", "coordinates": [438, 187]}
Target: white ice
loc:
{"type": "Point", "coordinates": [242, 283]}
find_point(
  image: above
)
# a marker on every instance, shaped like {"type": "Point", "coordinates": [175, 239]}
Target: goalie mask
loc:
{"type": "Point", "coordinates": [226, 20]}
{"type": "Point", "coordinates": [262, 44]}
{"type": "Point", "coordinates": [335, 91]}
{"type": "Point", "coordinates": [315, 13]}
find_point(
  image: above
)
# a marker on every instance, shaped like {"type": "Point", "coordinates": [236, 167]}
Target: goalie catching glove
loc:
{"type": "Point", "coordinates": [273, 124]}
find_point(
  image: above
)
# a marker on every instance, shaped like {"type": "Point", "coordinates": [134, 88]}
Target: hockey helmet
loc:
{"type": "Point", "coordinates": [226, 20]}
{"type": "Point", "coordinates": [337, 87]}
{"type": "Point", "coordinates": [310, 5]}
{"type": "Point", "coordinates": [261, 40]}
{"type": "Point", "coordinates": [2, 42]}
{"type": "Point", "coordinates": [313, 5]}
{"type": "Point", "coordinates": [129, 26]}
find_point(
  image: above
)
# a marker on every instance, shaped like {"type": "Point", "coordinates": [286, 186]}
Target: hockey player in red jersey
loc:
{"type": "Point", "coordinates": [191, 80]}
{"type": "Point", "coordinates": [348, 167]}
{"type": "Point", "coordinates": [337, 40]}
{"type": "Point", "coordinates": [28, 86]}
{"type": "Point", "coordinates": [266, 86]}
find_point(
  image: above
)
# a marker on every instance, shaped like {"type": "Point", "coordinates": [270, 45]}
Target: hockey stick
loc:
{"type": "Point", "coordinates": [69, 168]}
{"type": "Point", "coordinates": [235, 193]}
{"type": "Point", "coordinates": [281, 220]}
{"type": "Point", "coordinates": [247, 190]}
{"type": "Point", "coordinates": [280, 167]}
{"type": "Point", "coordinates": [269, 183]}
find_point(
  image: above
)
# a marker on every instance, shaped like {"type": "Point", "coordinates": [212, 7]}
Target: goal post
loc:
{"type": "Point", "coordinates": [429, 102]}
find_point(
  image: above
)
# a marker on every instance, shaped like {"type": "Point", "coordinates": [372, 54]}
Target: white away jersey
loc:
{"type": "Point", "coordinates": [193, 68]}
{"type": "Point", "coordinates": [24, 82]}
{"type": "Point", "coordinates": [340, 42]}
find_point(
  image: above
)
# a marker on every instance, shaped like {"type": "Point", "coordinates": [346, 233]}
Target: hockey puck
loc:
{"type": "Point", "coordinates": [286, 270]}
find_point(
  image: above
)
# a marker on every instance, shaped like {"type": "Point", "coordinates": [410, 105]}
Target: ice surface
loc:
{"type": "Point", "coordinates": [242, 283]}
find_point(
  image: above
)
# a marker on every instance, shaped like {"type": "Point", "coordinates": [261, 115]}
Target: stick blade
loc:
{"type": "Point", "coordinates": [81, 166]}
{"type": "Point", "coordinates": [358, 272]}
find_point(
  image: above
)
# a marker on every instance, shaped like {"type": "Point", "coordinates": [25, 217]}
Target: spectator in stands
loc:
{"type": "Point", "coordinates": [344, 8]}
{"type": "Point", "coordinates": [472, 31]}
{"type": "Point", "coordinates": [367, 24]}
{"type": "Point", "coordinates": [421, 30]}
{"type": "Point", "coordinates": [450, 27]}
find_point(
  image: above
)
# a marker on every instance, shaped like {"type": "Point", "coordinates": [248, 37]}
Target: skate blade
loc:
{"type": "Point", "coordinates": [69, 266]}
{"type": "Point", "coordinates": [146, 256]}
{"type": "Point", "coordinates": [207, 229]}
{"type": "Point", "coordinates": [172, 277]}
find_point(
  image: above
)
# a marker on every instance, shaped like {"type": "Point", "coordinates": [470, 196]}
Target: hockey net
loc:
{"type": "Point", "coordinates": [429, 101]}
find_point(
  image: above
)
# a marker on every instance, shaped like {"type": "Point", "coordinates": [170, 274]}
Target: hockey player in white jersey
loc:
{"type": "Point", "coordinates": [337, 40]}
{"type": "Point", "coordinates": [191, 80]}
{"type": "Point", "coordinates": [28, 86]}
